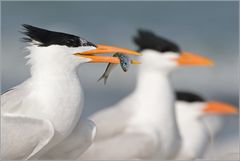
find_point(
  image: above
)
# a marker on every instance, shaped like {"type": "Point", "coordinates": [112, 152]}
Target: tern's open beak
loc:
{"type": "Point", "coordinates": [104, 49]}
{"type": "Point", "coordinates": [187, 58]}
{"type": "Point", "coordinates": [220, 108]}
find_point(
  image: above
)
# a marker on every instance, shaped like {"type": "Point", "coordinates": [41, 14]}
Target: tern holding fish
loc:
{"type": "Point", "coordinates": [40, 114]}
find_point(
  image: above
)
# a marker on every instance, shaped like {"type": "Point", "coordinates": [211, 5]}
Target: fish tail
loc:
{"type": "Point", "coordinates": [103, 77]}
{"type": "Point", "coordinates": [105, 80]}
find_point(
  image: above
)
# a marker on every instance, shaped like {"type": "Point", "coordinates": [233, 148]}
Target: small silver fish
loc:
{"type": "Point", "coordinates": [124, 62]}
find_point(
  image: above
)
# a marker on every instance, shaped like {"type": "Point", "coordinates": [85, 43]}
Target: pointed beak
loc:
{"type": "Point", "coordinates": [187, 58]}
{"type": "Point", "coordinates": [110, 49]}
{"type": "Point", "coordinates": [133, 61]}
{"type": "Point", "coordinates": [104, 49]}
{"type": "Point", "coordinates": [220, 108]}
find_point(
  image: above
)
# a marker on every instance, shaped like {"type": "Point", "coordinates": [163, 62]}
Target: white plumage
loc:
{"type": "Point", "coordinates": [51, 99]}
{"type": "Point", "coordinates": [75, 144]}
{"type": "Point", "coordinates": [41, 116]}
{"type": "Point", "coordinates": [142, 125]}
{"type": "Point", "coordinates": [194, 130]}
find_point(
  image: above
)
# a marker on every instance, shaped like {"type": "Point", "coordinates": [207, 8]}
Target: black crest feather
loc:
{"type": "Point", "coordinates": [188, 97]}
{"type": "Point", "coordinates": [47, 37]}
{"type": "Point", "coordinates": [148, 40]}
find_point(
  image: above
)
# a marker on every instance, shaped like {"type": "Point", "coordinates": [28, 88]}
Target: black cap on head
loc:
{"type": "Point", "coordinates": [188, 97]}
{"type": "Point", "coordinates": [148, 40]}
{"type": "Point", "coordinates": [47, 38]}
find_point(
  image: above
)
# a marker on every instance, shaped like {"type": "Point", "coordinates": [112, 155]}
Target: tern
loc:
{"type": "Point", "coordinates": [195, 134]}
{"type": "Point", "coordinates": [143, 125]}
{"type": "Point", "coordinates": [41, 112]}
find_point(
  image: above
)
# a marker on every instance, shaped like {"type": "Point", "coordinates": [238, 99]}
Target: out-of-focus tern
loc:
{"type": "Point", "coordinates": [41, 112]}
{"type": "Point", "coordinates": [195, 134]}
{"type": "Point", "coordinates": [143, 125]}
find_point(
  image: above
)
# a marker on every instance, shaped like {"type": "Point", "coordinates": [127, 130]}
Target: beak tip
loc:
{"type": "Point", "coordinates": [133, 61]}
{"type": "Point", "coordinates": [235, 111]}
{"type": "Point", "coordinates": [221, 108]}
{"type": "Point", "coordinates": [137, 53]}
{"type": "Point", "coordinates": [207, 62]}
{"type": "Point", "coordinates": [211, 63]}
{"type": "Point", "coordinates": [188, 58]}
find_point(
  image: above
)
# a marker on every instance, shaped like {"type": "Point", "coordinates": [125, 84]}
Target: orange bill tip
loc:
{"type": "Point", "coordinates": [220, 108]}
{"type": "Point", "coordinates": [133, 61]}
{"type": "Point", "coordinates": [187, 58]}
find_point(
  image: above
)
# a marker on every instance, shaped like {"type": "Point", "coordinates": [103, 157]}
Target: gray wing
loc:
{"type": "Point", "coordinates": [113, 141]}
{"type": "Point", "coordinates": [22, 137]}
{"type": "Point", "coordinates": [75, 144]}
{"type": "Point", "coordinates": [124, 146]}
{"type": "Point", "coordinates": [12, 99]}
{"type": "Point", "coordinates": [111, 121]}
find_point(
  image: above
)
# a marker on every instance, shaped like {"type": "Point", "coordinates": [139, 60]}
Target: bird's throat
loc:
{"type": "Point", "coordinates": [155, 94]}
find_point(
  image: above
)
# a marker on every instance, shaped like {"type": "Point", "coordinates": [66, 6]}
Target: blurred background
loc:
{"type": "Point", "coordinates": [208, 28]}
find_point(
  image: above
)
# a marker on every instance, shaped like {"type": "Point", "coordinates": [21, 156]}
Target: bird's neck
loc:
{"type": "Point", "coordinates": [55, 86]}
{"type": "Point", "coordinates": [51, 71]}
{"type": "Point", "coordinates": [155, 95]}
{"type": "Point", "coordinates": [155, 109]}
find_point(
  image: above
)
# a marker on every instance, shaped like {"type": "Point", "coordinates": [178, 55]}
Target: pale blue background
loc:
{"type": "Point", "coordinates": [209, 28]}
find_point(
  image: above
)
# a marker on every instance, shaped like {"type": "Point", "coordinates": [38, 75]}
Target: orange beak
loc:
{"type": "Point", "coordinates": [187, 58]}
{"type": "Point", "coordinates": [104, 49]}
{"type": "Point", "coordinates": [220, 108]}
{"type": "Point", "coordinates": [133, 61]}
